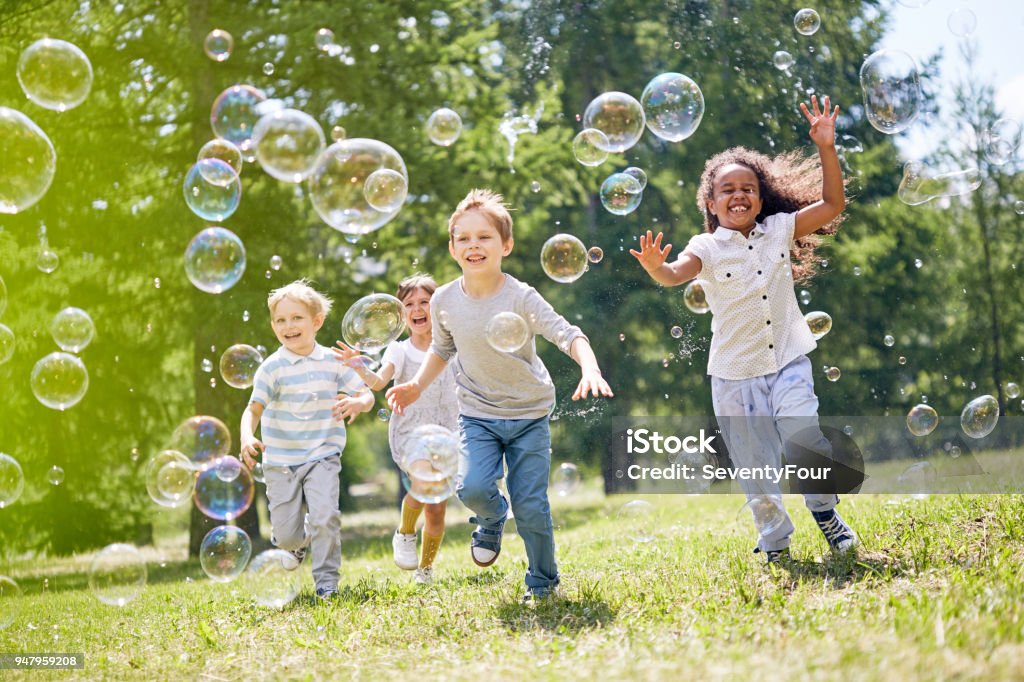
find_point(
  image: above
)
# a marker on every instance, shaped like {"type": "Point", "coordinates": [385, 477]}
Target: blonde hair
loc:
{"type": "Point", "coordinates": [301, 291]}
{"type": "Point", "coordinates": [414, 282]}
{"type": "Point", "coordinates": [491, 204]}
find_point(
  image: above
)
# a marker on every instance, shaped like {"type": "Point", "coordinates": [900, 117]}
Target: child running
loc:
{"type": "Point", "coordinates": [760, 212]}
{"type": "Point", "coordinates": [401, 361]}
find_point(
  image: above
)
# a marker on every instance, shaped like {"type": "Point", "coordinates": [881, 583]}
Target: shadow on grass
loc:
{"type": "Point", "coordinates": [844, 570]}
{"type": "Point", "coordinates": [563, 614]}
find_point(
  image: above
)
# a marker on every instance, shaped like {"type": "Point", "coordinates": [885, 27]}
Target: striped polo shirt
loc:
{"type": "Point", "coordinates": [297, 393]}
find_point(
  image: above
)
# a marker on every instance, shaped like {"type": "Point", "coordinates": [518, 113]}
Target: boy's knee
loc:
{"type": "Point", "coordinates": [533, 517]}
{"type": "Point", "coordinates": [326, 520]}
{"type": "Point", "coordinates": [289, 540]}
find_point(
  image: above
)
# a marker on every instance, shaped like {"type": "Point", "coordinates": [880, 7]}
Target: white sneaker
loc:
{"type": "Point", "coordinates": [404, 546]}
{"type": "Point", "coordinates": [424, 576]}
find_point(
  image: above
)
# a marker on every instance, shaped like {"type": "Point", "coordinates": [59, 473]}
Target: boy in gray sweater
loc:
{"type": "Point", "coordinates": [504, 398]}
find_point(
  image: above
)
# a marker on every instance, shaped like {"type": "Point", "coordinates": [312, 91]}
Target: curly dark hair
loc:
{"type": "Point", "coordinates": [786, 183]}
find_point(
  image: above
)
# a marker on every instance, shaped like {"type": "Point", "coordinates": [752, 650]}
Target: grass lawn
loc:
{"type": "Point", "coordinates": [935, 592]}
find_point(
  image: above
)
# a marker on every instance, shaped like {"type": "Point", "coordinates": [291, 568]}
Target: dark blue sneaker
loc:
{"type": "Point", "coordinates": [326, 593]}
{"type": "Point", "coordinates": [774, 556]}
{"type": "Point", "coordinates": [535, 597]}
{"type": "Point", "coordinates": [840, 536]}
{"type": "Point", "coordinates": [485, 546]}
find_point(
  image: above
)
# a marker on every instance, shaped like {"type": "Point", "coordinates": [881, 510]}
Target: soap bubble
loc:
{"type": "Point", "coordinates": [922, 419]}
{"type": "Point", "coordinates": [268, 68]}
{"type": "Point", "coordinates": [117, 574]}
{"type": "Point", "coordinates": [12, 480]}
{"type": "Point", "coordinates": [444, 127]}
{"type": "Point", "coordinates": [432, 463]}
{"type": "Point", "coordinates": [695, 299]}
{"type": "Point", "coordinates": [1018, 207]}
{"type": "Point", "coordinates": [212, 189]}
{"type": "Point", "coordinates": [324, 39]}
{"type": "Point", "coordinates": [238, 365]}
{"type": "Point", "coordinates": [805, 297]}
{"type": "Point", "coordinates": [224, 553]}
{"type": "Point", "coordinates": [833, 374]}
{"type": "Point", "coordinates": [55, 475]}
{"type": "Point", "coordinates": [595, 254]}
{"type": "Point", "coordinates": [235, 113]}
{"type": "Point", "coordinates": [820, 323]}
{"type": "Point", "coordinates": [892, 91]}
{"type": "Point", "coordinates": [29, 161]}
{"type": "Point", "coordinates": [782, 60]}
{"type": "Point", "coordinates": [918, 477]}
{"type": "Point", "coordinates": [673, 106]}
{"type": "Point", "coordinates": [807, 22]}
{"type": "Point", "coordinates": [385, 190]}
{"type": "Point", "coordinates": [59, 380]}
{"type": "Point", "coordinates": [206, 365]}
{"type": "Point", "coordinates": [639, 174]}
{"type": "Point", "coordinates": [372, 322]}
{"type": "Point", "coordinates": [222, 150]}
{"type": "Point", "coordinates": [72, 329]}
{"type": "Point", "coordinates": [55, 74]}
{"type": "Point", "coordinates": [768, 513]}
{"type": "Point", "coordinates": [1001, 140]}
{"type": "Point", "coordinates": [619, 116]}
{"type": "Point", "coordinates": [223, 499]}
{"type": "Point", "coordinates": [338, 133]}
{"type": "Point", "coordinates": [336, 185]}
{"type": "Point", "coordinates": [202, 439]}
{"type": "Point", "coordinates": [288, 143]}
{"type": "Point", "coordinates": [962, 22]}
{"type": "Point", "coordinates": [276, 262]}
{"type": "Point", "coordinates": [10, 601]}
{"type": "Point", "coordinates": [270, 580]}
{"type": "Point", "coordinates": [383, 415]}
{"type": "Point", "coordinates": [1012, 390]}
{"type": "Point", "coordinates": [257, 473]}
{"type": "Point", "coordinates": [621, 194]}
{"type": "Point", "coordinates": [564, 258]}
{"type": "Point", "coordinates": [7, 343]}
{"type": "Point", "coordinates": [215, 260]}
{"type": "Point", "coordinates": [566, 479]}
{"type": "Point", "coordinates": [979, 417]}
{"type": "Point", "coordinates": [3, 296]}
{"type": "Point", "coordinates": [227, 468]}
{"type": "Point", "coordinates": [637, 517]}
{"type": "Point", "coordinates": [590, 147]}
{"type": "Point", "coordinates": [47, 260]}
{"type": "Point", "coordinates": [507, 332]}
{"type": "Point", "coordinates": [165, 482]}
{"type": "Point", "coordinates": [218, 45]}
{"type": "Point", "coordinates": [676, 332]}
{"type": "Point", "coordinates": [889, 340]}
{"type": "Point", "coordinates": [918, 186]}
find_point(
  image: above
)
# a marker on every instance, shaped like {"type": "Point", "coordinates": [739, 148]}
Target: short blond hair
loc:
{"type": "Point", "coordinates": [301, 290]}
{"type": "Point", "coordinates": [492, 205]}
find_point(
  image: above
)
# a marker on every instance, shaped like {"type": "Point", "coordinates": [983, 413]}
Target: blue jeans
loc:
{"type": "Point", "coordinates": [525, 444]}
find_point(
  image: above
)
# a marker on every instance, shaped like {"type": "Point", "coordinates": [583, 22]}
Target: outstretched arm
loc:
{"type": "Point", "coordinates": [652, 257]}
{"type": "Point", "coordinates": [591, 380]}
{"type": "Point", "coordinates": [812, 218]}
{"type": "Point", "coordinates": [357, 361]}
{"type": "Point", "coordinates": [401, 396]}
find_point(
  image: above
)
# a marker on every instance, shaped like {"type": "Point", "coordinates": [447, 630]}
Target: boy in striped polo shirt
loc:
{"type": "Point", "coordinates": [292, 396]}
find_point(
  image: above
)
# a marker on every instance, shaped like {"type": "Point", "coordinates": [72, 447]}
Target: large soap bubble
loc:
{"type": "Point", "coordinates": [979, 417]}
{"type": "Point", "coordinates": [694, 298]}
{"type": "Point", "coordinates": [621, 193]}
{"type": "Point", "coordinates": [223, 499]}
{"type": "Point", "coordinates": [215, 260]}
{"type": "Point", "coordinates": [336, 184]}
{"type": "Point", "coordinates": [202, 439]}
{"type": "Point", "coordinates": [238, 365]}
{"type": "Point", "coordinates": [72, 329]}
{"type": "Point", "coordinates": [117, 574]}
{"type": "Point", "coordinates": [373, 322]}
{"type": "Point", "coordinates": [919, 186]}
{"type": "Point", "coordinates": [673, 106]}
{"type": "Point", "coordinates": [590, 147]}
{"type": "Point", "coordinates": [922, 419]}
{"type": "Point", "coordinates": [218, 45]}
{"type": "Point", "coordinates": [507, 332]}
{"type": "Point", "coordinates": [271, 580]}
{"type": "Point", "coordinates": [12, 480]}
{"type": "Point", "coordinates": [219, 148]}
{"type": "Point", "coordinates": [55, 74]}
{"type": "Point", "coordinates": [432, 463]}
{"type": "Point", "coordinates": [444, 127]}
{"type": "Point", "coordinates": [10, 601]}
{"type": "Point", "coordinates": [170, 478]}
{"type": "Point", "coordinates": [59, 380]}
{"type": "Point", "coordinates": [29, 161]}
{"type": "Point", "coordinates": [892, 90]}
{"type": "Point", "coordinates": [7, 343]}
{"type": "Point", "coordinates": [619, 116]}
{"type": "Point", "coordinates": [564, 257]}
{"type": "Point", "coordinates": [288, 143]}
{"type": "Point", "coordinates": [820, 323]}
{"type": "Point", "coordinates": [386, 190]}
{"type": "Point", "coordinates": [224, 553]}
{"type": "Point", "coordinates": [212, 189]}
{"type": "Point", "coordinates": [235, 114]}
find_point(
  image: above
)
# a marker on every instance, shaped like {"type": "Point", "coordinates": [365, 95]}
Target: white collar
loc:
{"type": "Point", "coordinates": [318, 354]}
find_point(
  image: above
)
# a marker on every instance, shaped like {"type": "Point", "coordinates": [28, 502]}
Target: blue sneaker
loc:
{"type": "Point", "coordinates": [326, 593]}
{"type": "Point", "coordinates": [840, 536]}
{"type": "Point", "coordinates": [485, 545]}
{"type": "Point", "coordinates": [775, 556]}
{"type": "Point", "coordinates": [533, 597]}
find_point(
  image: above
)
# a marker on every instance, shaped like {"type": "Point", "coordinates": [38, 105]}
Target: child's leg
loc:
{"type": "Point", "coordinates": [321, 486]}
{"type": "Point", "coordinates": [411, 508]}
{"type": "Point", "coordinates": [284, 502]}
{"type": "Point", "coordinates": [478, 489]}
{"type": "Point", "coordinates": [433, 532]}
{"type": "Point", "coordinates": [529, 463]}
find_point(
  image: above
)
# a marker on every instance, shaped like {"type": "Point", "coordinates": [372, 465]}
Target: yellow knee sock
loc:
{"type": "Point", "coordinates": [431, 543]}
{"type": "Point", "coordinates": [409, 517]}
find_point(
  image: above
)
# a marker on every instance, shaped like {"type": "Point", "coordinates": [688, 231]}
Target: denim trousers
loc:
{"type": "Point", "coordinates": [525, 446]}
{"type": "Point", "coordinates": [759, 417]}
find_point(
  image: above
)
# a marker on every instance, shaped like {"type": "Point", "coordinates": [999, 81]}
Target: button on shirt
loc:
{"type": "Point", "coordinates": [757, 327]}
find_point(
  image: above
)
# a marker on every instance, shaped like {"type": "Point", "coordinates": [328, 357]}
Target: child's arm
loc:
{"type": "Point", "coordinates": [591, 380]}
{"type": "Point", "coordinates": [354, 359]}
{"type": "Point", "coordinates": [833, 197]}
{"type": "Point", "coordinates": [401, 396]}
{"type": "Point", "coordinates": [350, 406]}
{"type": "Point", "coordinates": [652, 258]}
{"type": "Point", "coordinates": [251, 446]}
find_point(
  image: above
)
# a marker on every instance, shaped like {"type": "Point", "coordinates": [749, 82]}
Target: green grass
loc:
{"type": "Point", "coordinates": [936, 591]}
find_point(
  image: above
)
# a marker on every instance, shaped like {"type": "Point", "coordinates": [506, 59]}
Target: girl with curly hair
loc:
{"type": "Point", "coordinates": [761, 215]}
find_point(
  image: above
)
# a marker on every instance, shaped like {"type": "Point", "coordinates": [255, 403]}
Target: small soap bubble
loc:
{"type": "Point", "coordinates": [47, 260]}
{"type": "Point", "coordinates": [59, 381]}
{"type": "Point", "coordinates": [979, 417]}
{"type": "Point", "coordinates": [622, 337]}
{"type": "Point", "coordinates": [222, 150]}
{"type": "Point", "coordinates": [238, 365]}
{"type": "Point", "coordinates": [212, 189]}
{"type": "Point", "coordinates": [833, 373]}
{"type": "Point", "coordinates": [805, 297]}
{"type": "Point", "coordinates": [590, 147]}
{"type": "Point", "coordinates": [807, 22]}
{"type": "Point", "coordinates": [444, 127]}
{"type": "Point", "coordinates": [695, 299]}
{"type": "Point", "coordinates": [324, 39]}
{"type": "Point", "coordinates": [72, 329]}
{"type": "Point", "coordinates": [383, 415]}
{"type": "Point", "coordinates": [54, 74]}
{"type": "Point", "coordinates": [268, 69]}
{"type": "Point", "coordinates": [258, 474]}
{"type": "Point", "coordinates": [819, 322]}
{"type": "Point", "coordinates": [889, 340]}
{"type": "Point", "coordinates": [223, 497]}
{"type": "Point", "coordinates": [534, 186]}
{"type": "Point", "coordinates": [201, 439]}
{"type": "Point", "coordinates": [782, 60]}
{"type": "Point", "coordinates": [215, 260]}
{"type": "Point", "coordinates": [565, 480]}
{"type": "Point", "coordinates": [235, 113]}
{"type": "Point", "coordinates": [55, 475]}
{"type": "Point", "coordinates": [673, 106]}
{"type": "Point", "coordinates": [856, 271]}
{"type": "Point", "coordinates": [432, 463]}
{"type": "Point", "coordinates": [848, 430]}
{"type": "Point", "coordinates": [619, 116]}
{"type": "Point", "coordinates": [639, 174]}
{"type": "Point", "coordinates": [206, 365]}
{"type": "Point", "coordinates": [373, 322]}
{"type": "Point", "coordinates": [272, 580]}
{"type": "Point", "coordinates": [918, 263]}
{"type": "Point", "coordinates": [676, 332]}
{"type": "Point", "coordinates": [337, 133]}
{"type": "Point", "coordinates": [174, 481]}
{"type": "Point", "coordinates": [218, 45]}
{"type": "Point", "coordinates": [213, 382]}
{"type": "Point", "coordinates": [922, 419]}
{"type": "Point", "coordinates": [564, 257]}
{"type": "Point", "coordinates": [228, 468]}
{"type": "Point", "coordinates": [507, 332]}
{"type": "Point", "coordinates": [962, 22]}
{"type": "Point", "coordinates": [902, 360]}
{"type": "Point", "coordinates": [385, 190]}
{"type": "Point", "coordinates": [621, 193]}
{"type": "Point", "coordinates": [595, 254]}
{"type": "Point", "coordinates": [1012, 390]}
{"type": "Point", "coordinates": [245, 316]}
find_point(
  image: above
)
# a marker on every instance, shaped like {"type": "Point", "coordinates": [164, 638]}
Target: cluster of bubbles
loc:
{"type": "Point", "coordinates": [892, 90]}
{"type": "Point", "coordinates": [922, 419]}
{"type": "Point", "coordinates": [218, 45]}
{"type": "Point", "coordinates": [566, 479]}
{"type": "Point", "coordinates": [980, 416]}
{"type": "Point", "coordinates": [919, 186]}
{"type": "Point", "coordinates": [224, 553]}
{"type": "Point", "coordinates": [564, 258]}
{"type": "Point", "coordinates": [12, 480]}
{"type": "Point", "coordinates": [695, 299]}
{"type": "Point", "coordinates": [621, 193]}
{"type": "Point", "coordinates": [238, 365]}
{"type": "Point", "coordinates": [432, 463]}
{"type": "Point", "coordinates": [215, 259]}
{"type": "Point", "coordinates": [444, 127]}
{"type": "Point", "coordinates": [507, 332]}
{"type": "Point", "coordinates": [373, 322]}
{"type": "Point", "coordinates": [820, 323]}
{"type": "Point", "coordinates": [117, 574]}
{"type": "Point", "coordinates": [271, 579]}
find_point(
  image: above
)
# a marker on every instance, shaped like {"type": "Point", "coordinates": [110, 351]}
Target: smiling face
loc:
{"type": "Point", "coordinates": [416, 310]}
{"type": "Point", "coordinates": [295, 326]}
{"type": "Point", "coordinates": [735, 197]}
{"type": "Point", "coordinates": [476, 245]}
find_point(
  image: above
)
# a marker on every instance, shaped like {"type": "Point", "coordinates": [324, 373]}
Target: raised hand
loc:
{"type": "Point", "coordinates": [402, 396]}
{"type": "Point", "coordinates": [348, 355]}
{"type": "Point", "coordinates": [651, 255]}
{"type": "Point", "coordinates": [347, 407]}
{"type": "Point", "coordinates": [823, 125]}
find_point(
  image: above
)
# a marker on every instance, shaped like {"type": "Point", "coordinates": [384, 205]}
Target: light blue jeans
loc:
{"type": "Point", "coordinates": [758, 417]}
{"type": "Point", "coordinates": [525, 445]}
